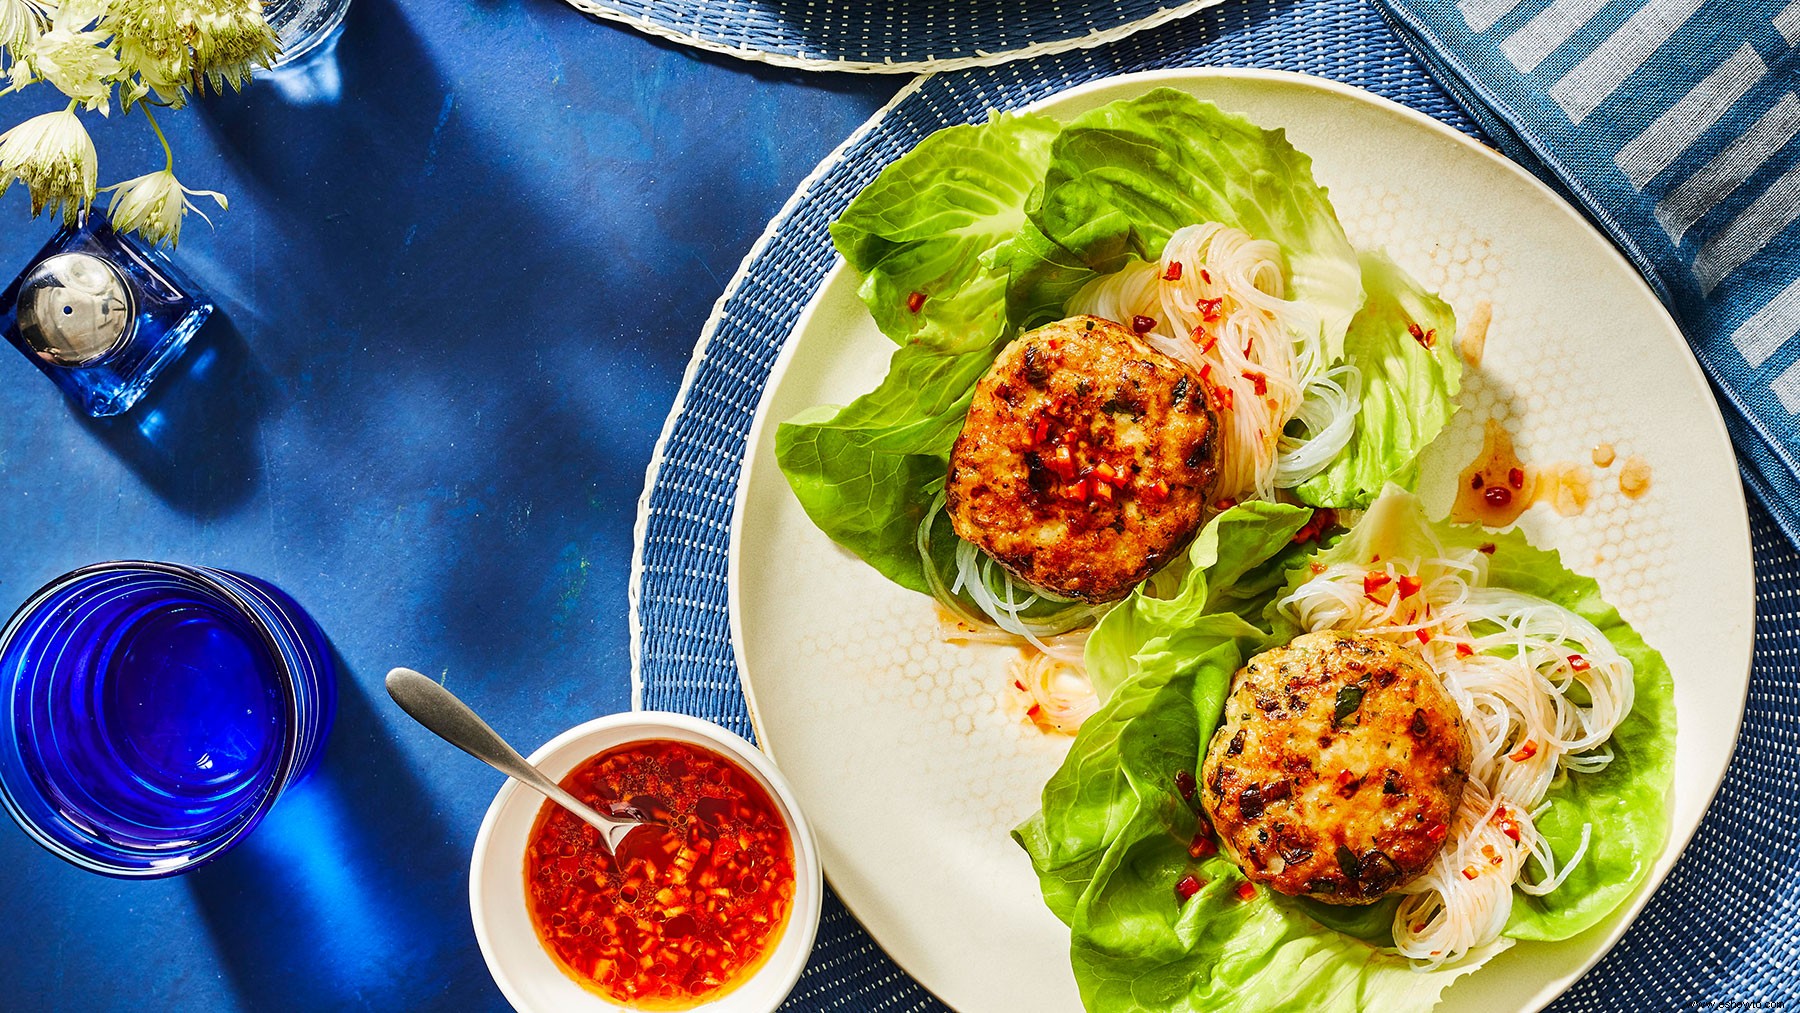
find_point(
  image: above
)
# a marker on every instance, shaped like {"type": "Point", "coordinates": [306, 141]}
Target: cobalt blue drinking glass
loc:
{"type": "Point", "coordinates": [153, 712]}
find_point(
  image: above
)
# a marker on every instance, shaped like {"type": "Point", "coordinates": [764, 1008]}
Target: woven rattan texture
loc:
{"type": "Point", "coordinates": [889, 36]}
{"type": "Point", "coordinates": [1727, 924]}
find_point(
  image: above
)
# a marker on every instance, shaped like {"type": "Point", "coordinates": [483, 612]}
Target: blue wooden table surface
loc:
{"type": "Point", "coordinates": [457, 300]}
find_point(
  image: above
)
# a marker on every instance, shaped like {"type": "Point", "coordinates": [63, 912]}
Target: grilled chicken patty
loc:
{"type": "Point", "coordinates": [1086, 459]}
{"type": "Point", "coordinates": [1338, 769]}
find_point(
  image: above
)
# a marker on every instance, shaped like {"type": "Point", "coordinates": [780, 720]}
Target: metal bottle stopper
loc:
{"type": "Point", "coordinates": [75, 309]}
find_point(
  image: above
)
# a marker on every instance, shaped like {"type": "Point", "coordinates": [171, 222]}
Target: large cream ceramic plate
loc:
{"type": "Point", "coordinates": [899, 745]}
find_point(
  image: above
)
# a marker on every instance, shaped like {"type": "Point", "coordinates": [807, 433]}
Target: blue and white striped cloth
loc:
{"type": "Point", "coordinates": [1673, 123]}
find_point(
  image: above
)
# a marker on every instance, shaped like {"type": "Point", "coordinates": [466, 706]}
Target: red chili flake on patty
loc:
{"type": "Point", "coordinates": [1142, 324]}
{"type": "Point", "coordinates": [1174, 271]}
{"type": "Point", "coordinates": [915, 301]}
{"type": "Point", "coordinates": [1437, 832]}
{"type": "Point", "coordinates": [1155, 492]}
{"type": "Point", "coordinates": [1040, 431]}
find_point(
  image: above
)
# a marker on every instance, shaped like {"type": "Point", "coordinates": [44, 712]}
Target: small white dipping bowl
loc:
{"type": "Point", "coordinates": [527, 975]}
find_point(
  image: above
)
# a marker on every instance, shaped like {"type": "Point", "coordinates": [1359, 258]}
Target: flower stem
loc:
{"type": "Point", "coordinates": [168, 155]}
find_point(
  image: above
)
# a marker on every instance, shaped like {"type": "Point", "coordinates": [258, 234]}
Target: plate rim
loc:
{"type": "Point", "coordinates": [1679, 839]}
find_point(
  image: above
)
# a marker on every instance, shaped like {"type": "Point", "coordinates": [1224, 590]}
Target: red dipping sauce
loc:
{"type": "Point", "coordinates": [681, 915]}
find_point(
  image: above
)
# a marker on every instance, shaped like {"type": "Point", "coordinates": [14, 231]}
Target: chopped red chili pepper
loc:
{"type": "Point", "coordinates": [915, 301]}
{"type": "Point", "coordinates": [1374, 581]}
{"type": "Point", "coordinates": [1430, 339]}
{"type": "Point", "coordinates": [1345, 777]}
{"type": "Point", "coordinates": [1246, 891]}
{"type": "Point", "coordinates": [1185, 784]}
{"type": "Point", "coordinates": [1258, 382]}
{"type": "Point", "coordinates": [1203, 847]}
{"type": "Point", "coordinates": [1498, 495]}
{"type": "Point", "coordinates": [1206, 276]}
{"type": "Point", "coordinates": [1510, 829]}
{"type": "Point", "coordinates": [1222, 398]}
{"type": "Point", "coordinates": [1423, 635]}
{"type": "Point", "coordinates": [1516, 478]}
{"type": "Point", "coordinates": [1470, 872]}
{"type": "Point", "coordinates": [1143, 324]}
{"type": "Point", "coordinates": [1486, 548]}
{"type": "Point", "coordinates": [1174, 271]}
{"type": "Point", "coordinates": [1407, 586]}
{"type": "Point", "coordinates": [1209, 308]}
{"type": "Point", "coordinates": [1155, 492]}
{"type": "Point", "coordinates": [1578, 663]}
{"type": "Point", "coordinates": [1040, 431]}
{"type": "Point", "coordinates": [1186, 887]}
{"type": "Point", "coordinates": [1096, 487]}
{"type": "Point", "coordinates": [1413, 329]}
{"type": "Point", "coordinates": [1437, 832]}
{"type": "Point", "coordinates": [1465, 650]}
{"type": "Point", "coordinates": [1524, 752]}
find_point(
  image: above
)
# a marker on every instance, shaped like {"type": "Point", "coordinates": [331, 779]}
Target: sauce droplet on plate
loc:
{"type": "Point", "coordinates": [1496, 487]}
{"type": "Point", "coordinates": [1634, 477]}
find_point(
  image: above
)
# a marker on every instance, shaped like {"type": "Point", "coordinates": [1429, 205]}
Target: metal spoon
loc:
{"type": "Point", "coordinates": [439, 710]}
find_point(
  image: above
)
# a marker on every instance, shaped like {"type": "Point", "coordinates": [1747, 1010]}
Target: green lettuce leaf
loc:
{"type": "Point", "coordinates": [1408, 390]}
{"type": "Point", "coordinates": [932, 223]}
{"type": "Point", "coordinates": [1110, 841]}
{"type": "Point", "coordinates": [1125, 176]}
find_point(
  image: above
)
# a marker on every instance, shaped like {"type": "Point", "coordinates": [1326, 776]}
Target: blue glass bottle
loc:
{"type": "Point", "coordinates": [151, 713]}
{"type": "Point", "coordinates": [101, 315]}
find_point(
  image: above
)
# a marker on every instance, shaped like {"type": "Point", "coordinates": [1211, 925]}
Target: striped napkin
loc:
{"type": "Point", "coordinates": [1673, 123]}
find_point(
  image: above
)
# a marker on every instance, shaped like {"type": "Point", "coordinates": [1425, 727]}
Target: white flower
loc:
{"type": "Point", "coordinates": [54, 157]}
{"type": "Point", "coordinates": [153, 205]}
{"type": "Point", "coordinates": [20, 22]}
{"type": "Point", "coordinates": [175, 45]}
{"type": "Point", "coordinates": [80, 64]}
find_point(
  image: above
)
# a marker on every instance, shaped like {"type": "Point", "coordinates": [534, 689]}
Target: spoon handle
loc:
{"type": "Point", "coordinates": [443, 713]}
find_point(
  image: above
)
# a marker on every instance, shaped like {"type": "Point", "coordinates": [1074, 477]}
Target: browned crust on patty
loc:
{"type": "Point", "coordinates": [1067, 409]}
{"type": "Point", "coordinates": [1338, 768]}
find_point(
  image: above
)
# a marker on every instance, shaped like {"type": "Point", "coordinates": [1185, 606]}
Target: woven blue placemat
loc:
{"type": "Point", "coordinates": [889, 36]}
{"type": "Point", "coordinates": [1725, 927]}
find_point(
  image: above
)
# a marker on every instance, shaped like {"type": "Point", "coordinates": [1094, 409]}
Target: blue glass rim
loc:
{"type": "Point", "coordinates": [236, 594]}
